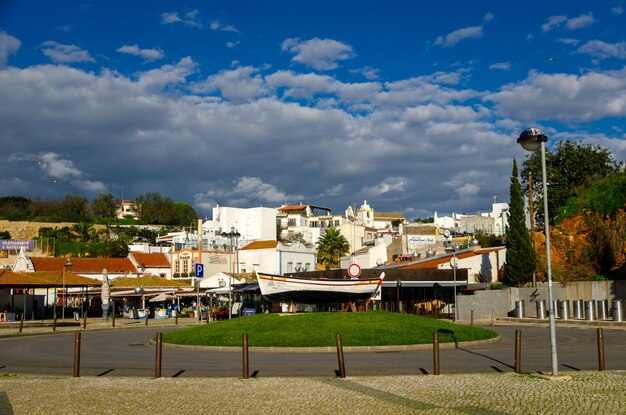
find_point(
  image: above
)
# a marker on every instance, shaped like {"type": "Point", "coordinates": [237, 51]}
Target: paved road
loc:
{"type": "Point", "coordinates": [129, 353]}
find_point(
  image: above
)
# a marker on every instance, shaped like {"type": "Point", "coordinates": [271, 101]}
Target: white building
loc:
{"type": "Point", "coordinates": [276, 258]}
{"type": "Point", "coordinates": [253, 224]}
{"type": "Point", "coordinates": [494, 222]}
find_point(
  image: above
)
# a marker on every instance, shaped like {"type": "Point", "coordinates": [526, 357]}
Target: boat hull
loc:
{"type": "Point", "coordinates": [278, 288]}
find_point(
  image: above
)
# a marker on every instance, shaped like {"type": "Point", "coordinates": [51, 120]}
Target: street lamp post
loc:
{"type": "Point", "coordinates": [66, 265]}
{"type": "Point", "coordinates": [533, 139]}
{"type": "Point", "coordinates": [454, 264]}
{"type": "Point", "coordinates": [233, 234]}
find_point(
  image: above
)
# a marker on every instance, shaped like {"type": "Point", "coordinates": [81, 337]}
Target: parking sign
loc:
{"type": "Point", "coordinates": [199, 270]}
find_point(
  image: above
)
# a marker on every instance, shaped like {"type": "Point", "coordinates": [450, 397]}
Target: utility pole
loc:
{"type": "Point", "coordinates": [532, 217]}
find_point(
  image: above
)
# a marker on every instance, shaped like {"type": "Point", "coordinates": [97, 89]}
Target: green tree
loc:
{"type": "Point", "coordinates": [331, 246]}
{"type": "Point", "coordinates": [521, 259]}
{"type": "Point", "coordinates": [73, 208]}
{"type": "Point", "coordinates": [14, 207]}
{"type": "Point", "coordinates": [154, 208]}
{"type": "Point", "coordinates": [183, 214]}
{"type": "Point", "coordinates": [104, 206]}
{"type": "Point", "coordinates": [569, 168]}
{"type": "Point", "coordinates": [5, 235]}
{"type": "Point", "coordinates": [82, 230]}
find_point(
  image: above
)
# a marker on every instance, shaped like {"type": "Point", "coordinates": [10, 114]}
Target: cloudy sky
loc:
{"type": "Point", "coordinates": [412, 106]}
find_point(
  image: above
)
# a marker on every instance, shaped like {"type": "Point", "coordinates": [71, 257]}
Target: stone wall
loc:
{"type": "Point", "coordinates": [500, 303]}
{"type": "Point", "coordinates": [29, 230]}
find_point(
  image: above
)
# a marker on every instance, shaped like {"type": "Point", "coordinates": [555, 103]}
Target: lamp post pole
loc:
{"type": "Point", "coordinates": [454, 264]}
{"type": "Point", "coordinates": [67, 264]}
{"type": "Point", "coordinates": [534, 139]}
{"type": "Point", "coordinates": [233, 234]}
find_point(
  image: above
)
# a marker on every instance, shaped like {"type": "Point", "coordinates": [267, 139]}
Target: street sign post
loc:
{"type": "Point", "coordinates": [199, 270]}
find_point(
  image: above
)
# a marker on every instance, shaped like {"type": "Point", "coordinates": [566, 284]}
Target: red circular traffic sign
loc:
{"type": "Point", "coordinates": [354, 270]}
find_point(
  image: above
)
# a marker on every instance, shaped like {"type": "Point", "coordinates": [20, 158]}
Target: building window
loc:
{"type": "Point", "coordinates": [291, 222]}
{"type": "Point", "coordinates": [185, 267]}
{"type": "Point", "coordinates": [177, 266]}
{"type": "Point", "coordinates": [336, 222]}
{"type": "Point", "coordinates": [289, 266]}
{"type": "Point", "coordinates": [306, 266]}
{"type": "Point", "coordinates": [314, 224]}
{"type": "Point", "coordinates": [299, 267]}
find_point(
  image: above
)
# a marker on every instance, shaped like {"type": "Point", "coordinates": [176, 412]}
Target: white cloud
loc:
{"type": "Point", "coordinates": [237, 85]}
{"type": "Point", "coordinates": [369, 73]}
{"type": "Point", "coordinates": [603, 50]}
{"type": "Point", "coordinates": [8, 46]}
{"type": "Point", "coordinates": [168, 74]}
{"type": "Point", "coordinates": [452, 38]}
{"type": "Point", "coordinates": [215, 25]}
{"type": "Point", "coordinates": [243, 191]}
{"type": "Point", "coordinates": [169, 18]}
{"type": "Point", "coordinates": [617, 10]}
{"type": "Point", "coordinates": [573, 23]}
{"type": "Point", "coordinates": [488, 17]}
{"type": "Point", "coordinates": [569, 41]}
{"type": "Point", "coordinates": [389, 184]}
{"type": "Point", "coordinates": [189, 19]}
{"type": "Point", "coordinates": [587, 97]}
{"type": "Point", "coordinates": [146, 54]}
{"type": "Point", "coordinates": [581, 21]}
{"type": "Point", "coordinates": [553, 22]}
{"type": "Point", "coordinates": [320, 54]}
{"type": "Point", "coordinates": [60, 170]}
{"type": "Point", "coordinates": [502, 66]}
{"type": "Point", "coordinates": [60, 53]}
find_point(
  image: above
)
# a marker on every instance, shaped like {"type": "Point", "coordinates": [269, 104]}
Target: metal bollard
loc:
{"type": "Point", "coordinates": [618, 310]}
{"type": "Point", "coordinates": [555, 308]}
{"type": "Point", "coordinates": [590, 310]}
{"type": "Point", "coordinates": [564, 309]}
{"type": "Point", "coordinates": [244, 348]}
{"type": "Point", "coordinates": [22, 322]}
{"type": "Point", "coordinates": [342, 366]}
{"type": "Point", "coordinates": [113, 319]}
{"type": "Point", "coordinates": [54, 324]}
{"type": "Point", "coordinates": [518, 351]}
{"type": "Point", "coordinates": [436, 370]}
{"type": "Point", "coordinates": [76, 355]}
{"type": "Point", "coordinates": [603, 309]}
{"type": "Point", "coordinates": [578, 309]}
{"type": "Point", "coordinates": [541, 309]}
{"type": "Point", "coordinates": [176, 319]}
{"type": "Point", "coordinates": [471, 317]}
{"type": "Point", "coordinates": [159, 355]}
{"type": "Point", "coordinates": [85, 321]}
{"type": "Point", "coordinates": [600, 349]}
{"type": "Point", "coordinates": [147, 318]}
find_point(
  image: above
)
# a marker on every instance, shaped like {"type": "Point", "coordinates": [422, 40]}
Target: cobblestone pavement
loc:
{"type": "Point", "coordinates": [504, 393]}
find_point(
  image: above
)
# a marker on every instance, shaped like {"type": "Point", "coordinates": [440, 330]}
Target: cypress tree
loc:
{"type": "Point", "coordinates": [521, 259]}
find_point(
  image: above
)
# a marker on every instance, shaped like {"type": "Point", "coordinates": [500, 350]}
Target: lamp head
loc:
{"type": "Point", "coordinates": [531, 139]}
{"type": "Point", "coordinates": [68, 263]}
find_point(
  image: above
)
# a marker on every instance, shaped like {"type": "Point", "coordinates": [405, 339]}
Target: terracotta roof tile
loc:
{"type": "Point", "coordinates": [151, 260]}
{"type": "Point", "coordinates": [260, 245]}
{"type": "Point", "coordinates": [45, 279]}
{"type": "Point", "coordinates": [82, 265]}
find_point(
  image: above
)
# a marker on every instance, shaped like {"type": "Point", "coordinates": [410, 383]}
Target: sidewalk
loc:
{"type": "Point", "coordinates": [503, 393]}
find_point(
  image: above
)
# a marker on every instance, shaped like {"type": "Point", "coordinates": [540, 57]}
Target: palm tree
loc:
{"type": "Point", "coordinates": [82, 230]}
{"type": "Point", "coordinates": [331, 246]}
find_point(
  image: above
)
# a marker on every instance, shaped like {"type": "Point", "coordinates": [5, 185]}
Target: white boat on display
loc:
{"type": "Point", "coordinates": [282, 288]}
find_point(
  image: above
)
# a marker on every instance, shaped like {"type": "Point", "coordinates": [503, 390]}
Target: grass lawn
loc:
{"type": "Point", "coordinates": [372, 328]}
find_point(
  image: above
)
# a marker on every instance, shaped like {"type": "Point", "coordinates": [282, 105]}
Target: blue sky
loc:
{"type": "Point", "coordinates": [414, 107]}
